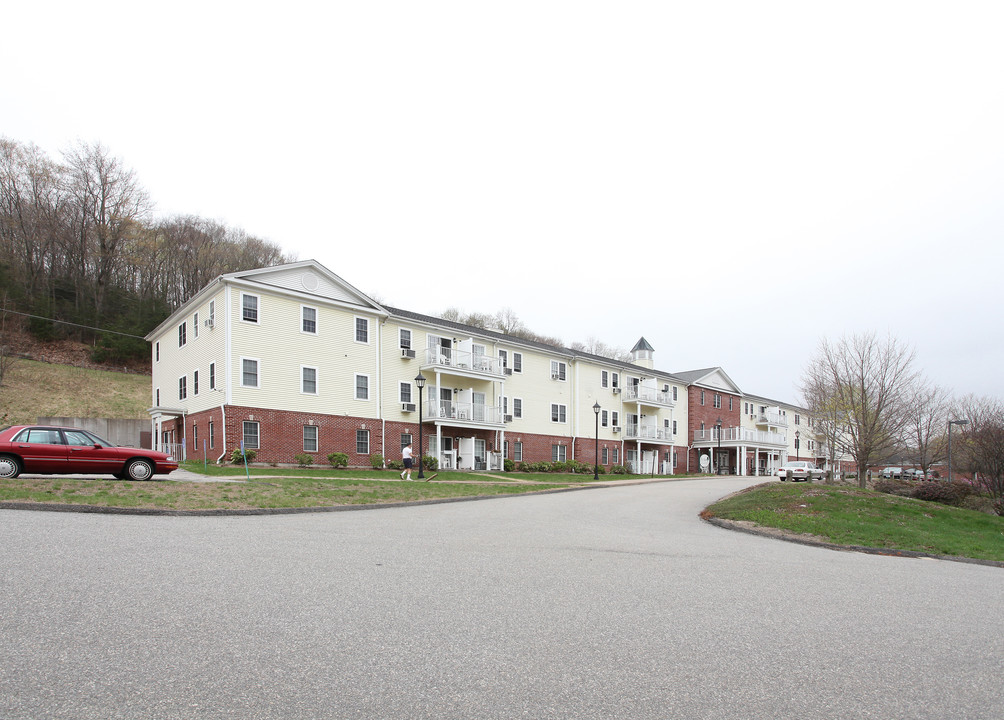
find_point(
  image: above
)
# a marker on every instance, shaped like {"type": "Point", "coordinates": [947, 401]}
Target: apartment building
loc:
{"type": "Point", "coordinates": [293, 360]}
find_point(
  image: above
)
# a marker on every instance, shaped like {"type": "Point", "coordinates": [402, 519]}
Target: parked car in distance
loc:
{"type": "Point", "coordinates": [892, 472]}
{"type": "Point", "coordinates": [50, 450]}
{"type": "Point", "coordinates": [799, 470]}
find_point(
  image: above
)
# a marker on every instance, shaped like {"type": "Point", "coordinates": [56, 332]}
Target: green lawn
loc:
{"type": "Point", "coordinates": [850, 516]}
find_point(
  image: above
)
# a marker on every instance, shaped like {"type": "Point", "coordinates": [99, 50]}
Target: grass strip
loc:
{"type": "Point", "coordinates": [846, 515]}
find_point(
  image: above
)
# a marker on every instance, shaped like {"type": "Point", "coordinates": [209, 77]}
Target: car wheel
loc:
{"type": "Point", "coordinates": [139, 470]}
{"type": "Point", "coordinates": [10, 467]}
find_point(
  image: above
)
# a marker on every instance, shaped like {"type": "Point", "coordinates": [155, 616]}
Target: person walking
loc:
{"type": "Point", "coordinates": [406, 456]}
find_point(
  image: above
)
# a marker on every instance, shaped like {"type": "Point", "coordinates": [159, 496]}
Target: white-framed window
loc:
{"type": "Point", "coordinates": [195, 382]}
{"type": "Point", "coordinates": [504, 358]}
{"type": "Point", "coordinates": [517, 407]}
{"type": "Point", "coordinates": [674, 393]}
{"type": "Point", "coordinates": [558, 370]}
{"type": "Point", "coordinates": [615, 380]}
{"type": "Point", "coordinates": [362, 387]}
{"type": "Point", "coordinates": [558, 413]}
{"type": "Point", "coordinates": [615, 418]}
{"type": "Point", "coordinates": [517, 451]}
{"type": "Point", "coordinates": [363, 442]}
{"type": "Point", "coordinates": [605, 456]}
{"type": "Point", "coordinates": [251, 434]}
{"type": "Point", "coordinates": [156, 351]}
{"type": "Point", "coordinates": [250, 375]}
{"type": "Point", "coordinates": [156, 396]}
{"type": "Point", "coordinates": [716, 401]}
{"type": "Point", "coordinates": [195, 326]}
{"type": "Point", "coordinates": [249, 308]}
{"type": "Point", "coordinates": [212, 312]}
{"type": "Point", "coordinates": [405, 392]}
{"type": "Point", "coordinates": [308, 380]}
{"type": "Point", "coordinates": [212, 435]}
{"type": "Point", "coordinates": [308, 320]}
{"type": "Point", "coordinates": [730, 403]}
{"type": "Point", "coordinates": [182, 334]}
{"type": "Point", "coordinates": [183, 387]}
{"type": "Point", "coordinates": [517, 362]}
{"type": "Point", "coordinates": [674, 427]}
{"type": "Point", "coordinates": [798, 419]}
{"type": "Point", "coordinates": [676, 459]}
{"type": "Point", "coordinates": [604, 379]}
{"type": "Point", "coordinates": [604, 418]}
{"type": "Point", "coordinates": [702, 397]}
{"type": "Point", "coordinates": [615, 453]}
{"type": "Point", "coordinates": [559, 453]}
{"type": "Point", "coordinates": [310, 438]}
{"type": "Point", "coordinates": [362, 330]}
{"type": "Point", "coordinates": [404, 339]}
{"type": "Point", "coordinates": [212, 376]}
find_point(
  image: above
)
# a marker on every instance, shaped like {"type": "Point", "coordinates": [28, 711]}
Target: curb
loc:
{"type": "Point", "coordinates": [890, 552]}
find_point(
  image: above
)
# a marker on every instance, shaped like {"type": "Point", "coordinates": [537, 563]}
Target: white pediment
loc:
{"type": "Point", "coordinates": [309, 278]}
{"type": "Point", "coordinates": [716, 379]}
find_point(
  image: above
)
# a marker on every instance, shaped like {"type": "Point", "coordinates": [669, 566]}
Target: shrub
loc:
{"type": "Point", "coordinates": [509, 465]}
{"type": "Point", "coordinates": [395, 464]}
{"type": "Point", "coordinates": [376, 461]}
{"type": "Point", "coordinates": [238, 458]}
{"type": "Point", "coordinates": [894, 487]}
{"type": "Point", "coordinates": [304, 460]}
{"type": "Point", "coordinates": [618, 470]}
{"type": "Point", "coordinates": [338, 459]}
{"type": "Point", "coordinates": [430, 463]}
{"type": "Point", "coordinates": [939, 492]}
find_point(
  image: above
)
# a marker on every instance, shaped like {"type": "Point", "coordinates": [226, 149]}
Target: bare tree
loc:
{"type": "Point", "coordinates": [925, 425]}
{"type": "Point", "coordinates": [7, 351]}
{"type": "Point", "coordinates": [864, 385]}
{"type": "Point", "coordinates": [980, 445]}
{"type": "Point", "coordinates": [594, 346]}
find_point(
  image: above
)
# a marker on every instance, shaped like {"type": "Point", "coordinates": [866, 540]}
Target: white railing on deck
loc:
{"type": "Point", "coordinates": [463, 360]}
{"type": "Point", "coordinates": [467, 412]}
{"type": "Point", "coordinates": [736, 434]}
{"type": "Point", "coordinates": [644, 394]}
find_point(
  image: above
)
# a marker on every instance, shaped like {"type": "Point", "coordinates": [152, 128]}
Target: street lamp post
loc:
{"type": "Point", "coordinates": [950, 423]}
{"type": "Point", "coordinates": [420, 384]}
{"type": "Point", "coordinates": [596, 447]}
{"type": "Point", "coordinates": [796, 446]}
{"type": "Point", "coordinates": [718, 458]}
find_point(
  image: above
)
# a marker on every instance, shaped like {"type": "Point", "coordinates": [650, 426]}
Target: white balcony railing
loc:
{"type": "Point", "coordinates": [647, 432]}
{"type": "Point", "coordinates": [648, 395]}
{"type": "Point", "coordinates": [463, 360]}
{"type": "Point", "coordinates": [740, 435]}
{"type": "Point", "coordinates": [772, 418]}
{"type": "Point", "coordinates": [467, 412]}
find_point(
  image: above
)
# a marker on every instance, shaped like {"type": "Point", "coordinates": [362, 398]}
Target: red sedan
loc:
{"type": "Point", "coordinates": [51, 450]}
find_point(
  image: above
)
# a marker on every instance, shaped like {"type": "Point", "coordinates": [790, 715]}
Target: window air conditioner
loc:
{"type": "Point", "coordinates": [508, 418]}
{"type": "Point", "coordinates": [556, 376]}
{"type": "Point", "coordinates": [616, 428]}
{"type": "Point", "coordinates": [407, 407]}
{"type": "Point", "coordinates": [208, 323]}
{"type": "Point", "coordinates": [407, 353]}
{"type": "Point", "coordinates": [617, 391]}
{"type": "Point", "coordinates": [507, 371]}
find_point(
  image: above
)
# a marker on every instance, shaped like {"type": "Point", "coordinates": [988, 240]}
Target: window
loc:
{"type": "Point", "coordinates": [183, 387]}
{"type": "Point", "coordinates": [702, 397]}
{"type": "Point", "coordinates": [557, 370]}
{"type": "Point", "coordinates": [212, 434]}
{"type": "Point", "coordinates": [674, 427]}
{"type": "Point", "coordinates": [249, 372]}
{"type": "Point", "coordinates": [558, 413]}
{"type": "Point", "coordinates": [604, 379]}
{"type": "Point", "coordinates": [517, 362]}
{"type": "Point", "coordinates": [362, 387]}
{"type": "Point", "coordinates": [615, 380]}
{"type": "Point", "coordinates": [615, 455]}
{"type": "Point", "coordinates": [308, 380]}
{"type": "Point", "coordinates": [212, 313]}
{"type": "Point", "coordinates": [559, 453]}
{"type": "Point", "coordinates": [308, 320]}
{"type": "Point", "coordinates": [676, 459]}
{"type": "Point", "coordinates": [250, 435]}
{"type": "Point", "coordinates": [716, 401]}
{"type": "Point", "coordinates": [404, 339]}
{"type": "Point", "coordinates": [182, 334]}
{"type": "Point", "coordinates": [249, 308]}
{"type": "Point", "coordinates": [674, 393]}
{"type": "Point", "coordinates": [156, 352]}
{"type": "Point", "coordinates": [310, 438]}
{"type": "Point", "coordinates": [405, 391]}
{"type": "Point", "coordinates": [604, 418]}
{"type": "Point", "coordinates": [195, 436]}
{"type": "Point", "coordinates": [195, 326]}
{"type": "Point", "coordinates": [362, 330]}
{"type": "Point", "coordinates": [517, 451]}
{"type": "Point", "coordinates": [517, 407]}
{"type": "Point", "coordinates": [614, 418]}
{"type": "Point", "coordinates": [157, 400]}
{"type": "Point", "coordinates": [730, 404]}
{"type": "Point", "coordinates": [212, 376]}
{"type": "Point", "coordinates": [798, 420]}
{"type": "Point", "coordinates": [504, 358]}
{"type": "Point", "coordinates": [363, 442]}
{"type": "Point", "coordinates": [405, 440]}
{"type": "Point", "coordinates": [605, 456]}
{"type": "Point", "coordinates": [195, 382]}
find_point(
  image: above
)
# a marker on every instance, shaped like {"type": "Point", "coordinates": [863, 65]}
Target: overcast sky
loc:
{"type": "Point", "coordinates": [731, 180]}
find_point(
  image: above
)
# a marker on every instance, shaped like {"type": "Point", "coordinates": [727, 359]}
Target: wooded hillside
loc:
{"type": "Point", "coordinates": [79, 245]}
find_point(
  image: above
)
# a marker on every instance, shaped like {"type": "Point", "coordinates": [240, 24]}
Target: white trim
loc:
{"type": "Point", "coordinates": [317, 320]}
{"type": "Point", "coordinates": [240, 308]}
{"type": "Point", "coordinates": [317, 380]}
{"type": "Point", "coordinates": [257, 362]}
{"type": "Point", "coordinates": [355, 387]}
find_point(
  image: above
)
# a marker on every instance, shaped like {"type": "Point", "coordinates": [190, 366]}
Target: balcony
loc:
{"type": "Point", "coordinates": [461, 362]}
{"type": "Point", "coordinates": [739, 436]}
{"type": "Point", "coordinates": [470, 414]}
{"type": "Point", "coordinates": [648, 396]}
{"type": "Point", "coordinates": [651, 433]}
{"type": "Point", "coordinates": [775, 419]}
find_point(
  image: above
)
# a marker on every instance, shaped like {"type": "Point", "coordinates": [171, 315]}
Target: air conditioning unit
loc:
{"type": "Point", "coordinates": [407, 353]}
{"type": "Point", "coordinates": [616, 428]}
{"type": "Point", "coordinates": [407, 407]}
{"type": "Point", "coordinates": [209, 323]}
{"type": "Point", "coordinates": [556, 376]}
{"type": "Point", "coordinates": [617, 391]}
{"type": "Point", "coordinates": [507, 418]}
{"type": "Point", "coordinates": [507, 371]}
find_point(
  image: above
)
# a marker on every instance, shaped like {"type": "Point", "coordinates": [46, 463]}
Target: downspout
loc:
{"type": "Point", "coordinates": [223, 417]}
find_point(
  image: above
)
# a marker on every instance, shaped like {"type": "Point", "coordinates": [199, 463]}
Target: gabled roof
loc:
{"type": "Point", "coordinates": [713, 377]}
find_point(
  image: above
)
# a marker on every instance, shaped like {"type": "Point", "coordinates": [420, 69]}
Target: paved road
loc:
{"type": "Point", "coordinates": [605, 603]}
